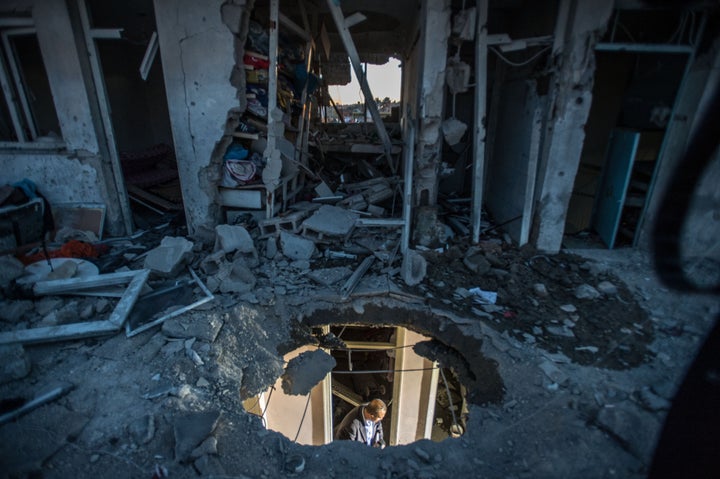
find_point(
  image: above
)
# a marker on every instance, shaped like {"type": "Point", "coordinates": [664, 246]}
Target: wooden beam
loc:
{"type": "Point", "coordinates": [72, 285]}
{"type": "Point", "coordinates": [352, 52]}
{"type": "Point", "coordinates": [128, 299]}
{"type": "Point", "coordinates": [58, 333]}
{"type": "Point", "coordinates": [479, 133]}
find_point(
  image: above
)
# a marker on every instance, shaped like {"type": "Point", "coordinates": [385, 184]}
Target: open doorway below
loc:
{"type": "Point", "coordinates": [424, 400]}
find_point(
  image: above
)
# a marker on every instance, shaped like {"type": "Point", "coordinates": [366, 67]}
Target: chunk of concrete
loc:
{"type": "Point", "coordinates": [635, 429]}
{"type": "Point", "coordinates": [239, 279]}
{"type": "Point", "coordinates": [477, 263]}
{"type": "Point", "coordinates": [230, 238]}
{"type": "Point", "coordinates": [191, 430]}
{"type": "Point", "coordinates": [331, 220]}
{"type": "Point", "coordinates": [14, 363]}
{"type": "Point", "coordinates": [208, 446]}
{"type": "Point", "coordinates": [142, 430]}
{"type": "Point", "coordinates": [606, 287]}
{"type": "Point", "coordinates": [296, 247]}
{"type": "Point", "coordinates": [169, 258]}
{"type": "Point", "coordinates": [305, 371]}
{"type": "Point", "coordinates": [585, 291]}
{"type": "Point", "coordinates": [271, 247]}
{"type": "Point", "coordinates": [10, 268]}
{"type": "Point", "coordinates": [553, 372]}
{"type": "Point", "coordinates": [13, 311]}
{"type": "Point", "coordinates": [204, 327]}
{"type": "Point", "coordinates": [330, 276]}
{"type": "Point", "coordinates": [414, 268]}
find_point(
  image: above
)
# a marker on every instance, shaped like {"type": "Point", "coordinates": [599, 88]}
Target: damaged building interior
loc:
{"type": "Point", "coordinates": [205, 265]}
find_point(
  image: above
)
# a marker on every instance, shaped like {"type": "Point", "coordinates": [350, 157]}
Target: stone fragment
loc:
{"type": "Point", "coordinates": [331, 220]}
{"type": "Point", "coordinates": [296, 247]}
{"type": "Point", "coordinates": [204, 327]}
{"type": "Point", "coordinates": [585, 291]}
{"type": "Point", "coordinates": [191, 430]}
{"type": "Point", "coordinates": [414, 268]}
{"type": "Point", "coordinates": [476, 262]}
{"type": "Point", "coordinates": [10, 268]}
{"type": "Point", "coordinates": [568, 308]}
{"type": "Point", "coordinates": [13, 311]}
{"type": "Point", "coordinates": [305, 371]}
{"type": "Point", "coordinates": [208, 446]}
{"type": "Point", "coordinates": [231, 15]}
{"type": "Point", "coordinates": [170, 257]}
{"type": "Point", "coordinates": [651, 401]}
{"type": "Point", "coordinates": [210, 467]}
{"type": "Point", "coordinates": [231, 238]}
{"type": "Point", "coordinates": [553, 372]}
{"type": "Point", "coordinates": [560, 331]}
{"type": "Point", "coordinates": [330, 276]}
{"type": "Point", "coordinates": [14, 363]}
{"type": "Point", "coordinates": [102, 305]}
{"type": "Point", "coordinates": [540, 290]}
{"type": "Point", "coordinates": [606, 287]}
{"type": "Point", "coordinates": [239, 279]}
{"type": "Point", "coordinates": [631, 427]}
{"type": "Point", "coordinates": [271, 248]}
{"type": "Point", "coordinates": [46, 305]}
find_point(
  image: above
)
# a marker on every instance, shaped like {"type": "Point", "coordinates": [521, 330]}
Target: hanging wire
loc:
{"type": "Point", "coordinates": [523, 63]}
{"type": "Point", "coordinates": [307, 403]}
{"type": "Point", "coordinates": [447, 390]}
{"type": "Point", "coordinates": [267, 405]}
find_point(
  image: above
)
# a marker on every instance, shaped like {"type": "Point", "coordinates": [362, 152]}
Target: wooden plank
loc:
{"type": "Point", "coordinates": [72, 285]}
{"type": "Point", "coordinates": [346, 394]}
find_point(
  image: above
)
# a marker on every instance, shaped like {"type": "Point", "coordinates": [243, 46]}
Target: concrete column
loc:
{"type": "Point", "coordinates": [62, 64]}
{"type": "Point", "coordinates": [197, 52]}
{"type": "Point", "coordinates": [435, 31]}
{"type": "Point", "coordinates": [567, 113]}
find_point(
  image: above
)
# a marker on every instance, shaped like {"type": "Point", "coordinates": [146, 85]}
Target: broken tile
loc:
{"type": "Point", "coordinates": [296, 247]}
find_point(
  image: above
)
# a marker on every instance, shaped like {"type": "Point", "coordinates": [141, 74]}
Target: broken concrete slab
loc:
{"type": "Point", "coordinates": [635, 429]}
{"type": "Point", "coordinates": [230, 238]}
{"type": "Point", "coordinates": [476, 262]}
{"type": "Point", "coordinates": [553, 372]}
{"type": "Point", "coordinates": [191, 430]}
{"type": "Point", "coordinates": [330, 276]}
{"type": "Point", "coordinates": [305, 371]}
{"type": "Point", "coordinates": [271, 248]}
{"type": "Point", "coordinates": [239, 279]}
{"type": "Point", "coordinates": [204, 327]}
{"type": "Point", "coordinates": [170, 257]}
{"type": "Point", "coordinates": [14, 363]}
{"type": "Point", "coordinates": [606, 287]}
{"type": "Point", "coordinates": [330, 221]}
{"type": "Point", "coordinates": [296, 247]}
{"type": "Point", "coordinates": [142, 429]}
{"type": "Point", "coordinates": [208, 446]}
{"type": "Point", "coordinates": [414, 267]}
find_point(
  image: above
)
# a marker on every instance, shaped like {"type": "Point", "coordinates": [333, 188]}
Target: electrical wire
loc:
{"type": "Point", "coordinates": [523, 63]}
{"type": "Point", "coordinates": [267, 405]}
{"type": "Point", "coordinates": [393, 348]}
{"type": "Point", "coordinates": [307, 403]}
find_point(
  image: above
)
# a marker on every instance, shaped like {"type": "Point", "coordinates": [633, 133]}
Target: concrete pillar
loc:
{"type": "Point", "coordinates": [197, 53]}
{"type": "Point", "coordinates": [567, 113]}
{"type": "Point", "coordinates": [435, 31]}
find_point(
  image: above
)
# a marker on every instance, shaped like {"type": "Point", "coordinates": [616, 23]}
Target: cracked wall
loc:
{"type": "Point", "coordinates": [198, 60]}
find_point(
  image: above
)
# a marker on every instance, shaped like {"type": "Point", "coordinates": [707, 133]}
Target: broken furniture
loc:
{"type": "Point", "coordinates": [21, 224]}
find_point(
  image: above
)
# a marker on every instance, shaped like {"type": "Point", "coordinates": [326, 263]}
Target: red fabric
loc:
{"type": "Point", "coordinates": [71, 249]}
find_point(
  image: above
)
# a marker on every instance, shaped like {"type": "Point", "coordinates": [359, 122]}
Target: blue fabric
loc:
{"type": "Point", "coordinates": [235, 152]}
{"type": "Point", "coordinates": [28, 187]}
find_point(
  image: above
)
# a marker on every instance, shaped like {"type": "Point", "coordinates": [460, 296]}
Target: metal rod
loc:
{"type": "Point", "coordinates": [479, 133]}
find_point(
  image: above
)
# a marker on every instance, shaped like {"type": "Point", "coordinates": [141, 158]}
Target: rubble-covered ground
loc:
{"type": "Point", "coordinates": [570, 371]}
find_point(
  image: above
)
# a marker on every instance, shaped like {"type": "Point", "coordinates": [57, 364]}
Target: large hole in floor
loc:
{"type": "Point", "coordinates": [424, 378]}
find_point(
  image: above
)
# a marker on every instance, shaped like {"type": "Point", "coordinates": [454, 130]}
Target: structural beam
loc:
{"type": "Point", "coordinates": [644, 48]}
{"type": "Point", "coordinates": [481, 54]}
{"type": "Point", "coordinates": [357, 67]}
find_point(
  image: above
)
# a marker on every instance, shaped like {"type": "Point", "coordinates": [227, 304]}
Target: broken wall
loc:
{"type": "Point", "coordinates": [197, 52]}
{"type": "Point", "coordinates": [73, 168]}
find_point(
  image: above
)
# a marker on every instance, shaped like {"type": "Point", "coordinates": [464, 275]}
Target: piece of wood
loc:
{"type": "Point", "coordinates": [354, 279]}
{"type": "Point", "coordinates": [38, 401]}
{"type": "Point", "coordinates": [58, 333]}
{"type": "Point", "coordinates": [151, 198]}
